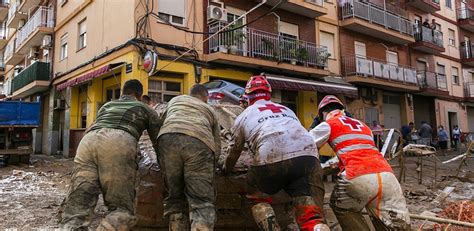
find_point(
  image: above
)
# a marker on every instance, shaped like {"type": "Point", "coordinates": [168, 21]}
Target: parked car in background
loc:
{"type": "Point", "coordinates": [223, 92]}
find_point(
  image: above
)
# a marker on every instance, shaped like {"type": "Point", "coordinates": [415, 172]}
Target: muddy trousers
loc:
{"type": "Point", "coordinates": [379, 193]}
{"type": "Point", "coordinates": [188, 166]}
{"type": "Point", "coordinates": [300, 177]}
{"type": "Point", "coordinates": [105, 163]}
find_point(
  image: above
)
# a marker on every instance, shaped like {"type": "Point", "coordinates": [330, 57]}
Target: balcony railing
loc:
{"type": "Point", "coordinates": [316, 2]}
{"type": "Point", "coordinates": [3, 32]}
{"type": "Point", "coordinates": [466, 50]}
{"type": "Point", "coordinates": [43, 17]}
{"type": "Point", "coordinates": [469, 89]}
{"type": "Point", "coordinates": [432, 80]}
{"type": "Point", "coordinates": [36, 71]}
{"type": "Point", "coordinates": [9, 49]}
{"type": "Point", "coordinates": [12, 9]}
{"type": "Point", "coordinates": [465, 13]}
{"type": "Point", "coordinates": [394, 19]}
{"type": "Point", "coordinates": [371, 68]}
{"type": "Point", "coordinates": [263, 45]}
{"type": "Point", "coordinates": [426, 34]}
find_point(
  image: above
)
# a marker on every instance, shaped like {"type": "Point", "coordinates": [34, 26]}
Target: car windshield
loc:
{"type": "Point", "coordinates": [214, 84]}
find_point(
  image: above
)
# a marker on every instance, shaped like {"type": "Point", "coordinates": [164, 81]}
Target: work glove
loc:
{"type": "Point", "coordinates": [220, 170]}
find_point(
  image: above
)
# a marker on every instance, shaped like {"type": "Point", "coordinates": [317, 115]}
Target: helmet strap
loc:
{"type": "Point", "coordinates": [254, 97]}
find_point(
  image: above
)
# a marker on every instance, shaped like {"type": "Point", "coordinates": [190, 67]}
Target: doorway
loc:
{"type": "Point", "coordinates": [452, 121]}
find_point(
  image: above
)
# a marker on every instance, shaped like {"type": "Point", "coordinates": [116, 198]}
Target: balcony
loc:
{"type": "Point", "coordinates": [27, 5]}
{"type": "Point", "coordinates": [427, 6]}
{"type": "Point", "coordinates": [3, 9]}
{"type": "Point", "coordinates": [390, 24]}
{"type": "Point", "coordinates": [33, 79]}
{"type": "Point", "coordinates": [469, 91]}
{"type": "Point", "coordinates": [466, 18]}
{"type": "Point", "coordinates": [3, 37]}
{"type": "Point", "coordinates": [14, 15]}
{"type": "Point", "coordinates": [467, 57]}
{"type": "Point", "coordinates": [11, 57]}
{"type": "Point", "coordinates": [428, 40]}
{"type": "Point", "coordinates": [261, 50]}
{"type": "Point", "coordinates": [432, 84]}
{"type": "Point", "coordinates": [32, 33]}
{"type": "Point", "coordinates": [308, 8]}
{"type": "Point", "coordinates": [378, 73]}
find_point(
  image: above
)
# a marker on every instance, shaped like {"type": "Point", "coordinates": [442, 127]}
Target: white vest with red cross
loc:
{"type": "Point", "coordinates": [353, 142]}
{"type": "Point", "coordinates": [274, 133]}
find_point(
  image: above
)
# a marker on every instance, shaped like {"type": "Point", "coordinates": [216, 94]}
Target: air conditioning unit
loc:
{"type": "Point", "coordinates": [59, 104]}
{"type": "Point", "coordinates": [21, 23]}
{"type": "Point", "coordinates": [33, 53]}
{"type": "Point", "coordinates": [46, 44]}
{"type": "Point", "coordinates": [216, 13]}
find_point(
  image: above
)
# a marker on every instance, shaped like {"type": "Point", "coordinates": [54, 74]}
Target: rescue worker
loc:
{"type": "Point", "coordinates": [285, 157]}
{"type": "Point", "coordinates": [188, 142]}
{"type": "Point", "coordinates": [366, 178]}
{"type": "Point", "coordinates": [106, 162]}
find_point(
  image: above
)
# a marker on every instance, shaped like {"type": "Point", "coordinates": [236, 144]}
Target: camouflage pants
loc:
{"type": "Point", "coordinates": [105, 163]}
{"type": "Point", "coordinates": [188, 166]}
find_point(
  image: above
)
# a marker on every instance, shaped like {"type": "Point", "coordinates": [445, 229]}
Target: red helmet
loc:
{"type": "Point", "coordinates": [328, 100]}
{"type": "Point", "coordinates": [258, 82]}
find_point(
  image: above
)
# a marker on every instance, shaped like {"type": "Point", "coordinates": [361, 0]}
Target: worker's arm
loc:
{"type": "Point", "coordinates": [235, 147]}
{"type": "Point", "coordinates": [321, 134]}
{"type": "Point", "coordinates": [154, 124]}
{"type": "Point", "coordinates": [216, 132]}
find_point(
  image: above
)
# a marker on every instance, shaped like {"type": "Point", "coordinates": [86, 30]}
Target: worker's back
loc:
{"type": "Point", "coordinates": [274, 133]}
{"type": "Point", "coordinates": [353, 142]}
{"type": "Point", "coordinates": [190, 116]}
{"type": "Point", "coordinates": [128, 114]}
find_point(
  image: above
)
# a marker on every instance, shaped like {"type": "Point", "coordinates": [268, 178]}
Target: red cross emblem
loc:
{"type": "Point", "coordinates": [355, 125]}
{"type": "Point", "coordinates": [274, 108]}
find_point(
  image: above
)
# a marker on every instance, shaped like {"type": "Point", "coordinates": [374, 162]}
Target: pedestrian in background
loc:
{"type": "Point", "coordinates": [377, 131]}
{"type": "Point", "coordinates": [456, 137]}
{"type": "Point", "coordinates": [442, 138]}
{"type": "Point", "coordinates": [426, 133]}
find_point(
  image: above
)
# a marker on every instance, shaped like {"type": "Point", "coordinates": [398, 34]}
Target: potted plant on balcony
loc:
{"type": "Point", "coordinates": [268, 50]}
{"type": "Point", "coordinates": [302, 55]}
{"type": "Point", "coordinates": [235, 38]}
{"type": "Point", "coordinates": [293, 49]}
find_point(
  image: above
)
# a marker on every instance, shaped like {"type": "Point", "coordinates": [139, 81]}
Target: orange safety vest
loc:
{"type": "Point", "coordinates": [353, 142]}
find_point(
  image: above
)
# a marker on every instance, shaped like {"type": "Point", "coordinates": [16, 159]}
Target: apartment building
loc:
{"type": "Point", "coordinates": [405, 60]}
{"type": "Point", "coordinates": [465, 20]}
{"type": "Point", "coordinates": [99, 45]}
{"type": "Point", "coordinates": [3, 40]}
{"type": "Point", "coordinates": [25, 41]}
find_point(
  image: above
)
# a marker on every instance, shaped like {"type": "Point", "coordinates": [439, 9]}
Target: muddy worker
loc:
{"type": "Point", "coordinates": [285, 158]}
{"type": "Point", "coordinates": [366, 178]}
{"type": "Point", "coordinates": [105, 162]}
{"type": "Point", "coordinates": [188, 143]}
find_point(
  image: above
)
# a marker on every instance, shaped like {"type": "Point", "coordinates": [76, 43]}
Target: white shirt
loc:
{"type": "Point", "coordinates": [273, 133]}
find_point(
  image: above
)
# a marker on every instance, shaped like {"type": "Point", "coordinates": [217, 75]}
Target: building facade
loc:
{"type": "Point", "coordinates": [405, 58]}
{"type": "Point", "coordinates": [26, 34]}
{"type": "Point", "coordinates": [100, 44]}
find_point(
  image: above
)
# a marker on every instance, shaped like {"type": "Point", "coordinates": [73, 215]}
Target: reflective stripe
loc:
{"type": "Point", "coordinates": [356, 147]}
{"type": "Point", "coordinates": [346, 137]}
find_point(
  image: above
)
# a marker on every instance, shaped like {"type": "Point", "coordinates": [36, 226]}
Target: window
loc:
{"type": "Point", "coordinates": [440, 69]}
{"type": "Point", "coordinates": [327, 39]}
{"type": "Point", "coordinates": [163, 91]}
{"type": "Point", "coordinates": [452, 38]}
{"type": "Point", "coordinates": [392, 57]}
{"type": "Point", "coordinates": [289, 30]}
{"type": "Point", "coordinates": [112, 93]}
{"type": "Point", "coordinates": [449, 4]}
{"type": "Point", "coordinates": [63, 50]}
{"type": "Point", "coordinates": [172, 11]}
{"type": "Point", "coordinates": [455, 73]}
{"type": "Point", "coordinates": [82, 32]}
{"type": "Point", "coordinates": [360, 49]}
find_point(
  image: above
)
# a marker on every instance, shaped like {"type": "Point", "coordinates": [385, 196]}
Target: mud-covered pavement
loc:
{"type": "Point", "coordinates": [31, 195]}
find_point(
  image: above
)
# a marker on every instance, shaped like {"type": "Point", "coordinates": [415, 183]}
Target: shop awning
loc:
{"type": "Point", "coordinates": [88, 76]}
{"type": "Point", "coordinates": [286, 83]}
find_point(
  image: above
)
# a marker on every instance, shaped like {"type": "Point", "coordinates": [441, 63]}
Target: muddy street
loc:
{"type": "Point", "coordinates": [31, 195]}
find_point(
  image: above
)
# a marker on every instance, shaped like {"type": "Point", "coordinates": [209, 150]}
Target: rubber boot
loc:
{"type": "Point", "coordinates": [117, 221]}
{"type": "Point", "coordinates": [265, 217]}
{"type": "Point", "coordinates": [308, 215]}
{"type": "Point", "coordinates": [178, 222]}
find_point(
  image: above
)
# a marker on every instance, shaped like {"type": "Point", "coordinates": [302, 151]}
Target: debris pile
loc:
{"type": "Point", "coordinates": [459, 210]}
